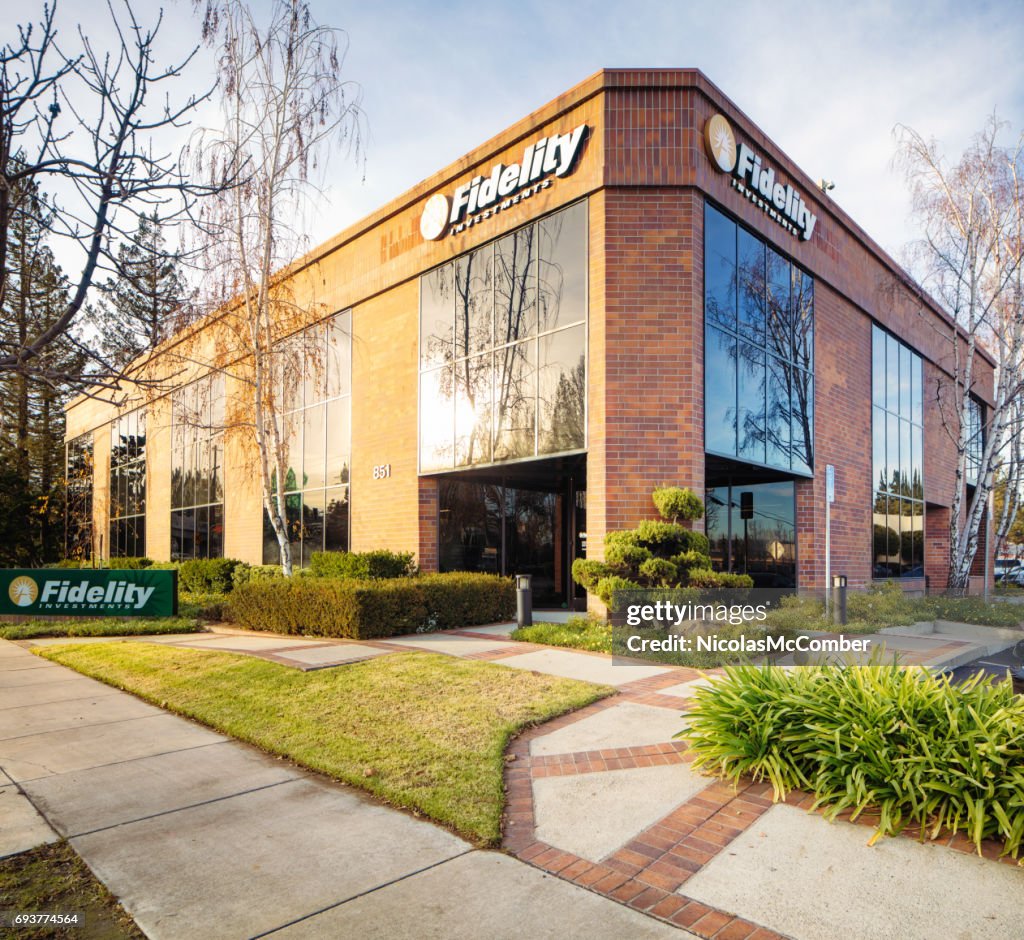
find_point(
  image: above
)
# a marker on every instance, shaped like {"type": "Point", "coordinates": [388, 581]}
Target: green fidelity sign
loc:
{"type": "Point", "coordinates": [89, 593]}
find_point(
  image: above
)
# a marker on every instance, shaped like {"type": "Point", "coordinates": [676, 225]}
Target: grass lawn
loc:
{"type": "Point", "coordinates": [100, 626]}
{"type": "Point", "coordinates": [420, 730]}
{"type": "Point", "coordinates": [53, 879]}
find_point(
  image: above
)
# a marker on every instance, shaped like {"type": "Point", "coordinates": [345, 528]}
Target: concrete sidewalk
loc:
{"type": "Point", "coordinates": [200, 836]}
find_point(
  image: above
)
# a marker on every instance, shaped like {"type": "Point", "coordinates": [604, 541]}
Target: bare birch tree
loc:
{"type": "Point", "coordinates": [971, 258]}
{"type": "Point", "coordinates": [78, 121]}
{"type": "Point", "coordinates": [285, 105]}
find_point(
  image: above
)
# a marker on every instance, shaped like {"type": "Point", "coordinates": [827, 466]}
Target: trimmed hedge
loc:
{"type": "Point", "coordinates": [208, 575]}
{"type": "Point", "coordinates": [361, 610]}
{"type": "Point", "coordinates": [365, 566]}
{"type": "Point", "coordinates": [243, 574]}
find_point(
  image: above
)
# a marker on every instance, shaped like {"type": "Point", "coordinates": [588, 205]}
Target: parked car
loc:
{"type": "Point", "coordinates": [1012, 576]}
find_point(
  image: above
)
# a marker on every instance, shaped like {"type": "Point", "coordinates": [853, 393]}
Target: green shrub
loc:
{"type": "Point", "coordinates": [345, 607]}
{"type": "Point", "coordinates": [587, 572]}
{"type": "Point", "coordinates": [622, 554]}
{"type": "Point", "coordinates": [128, 563]}
{"type": "Point", "coordinates": [706, 578]}
{"type": "Point", "coordinates": [165, 566]}
{"type": "Point", "coordinates": [208, 575]}
{"type": "Point", "coordinates": [581, 633]}
{"type": "Point", "coordinates": [659, 571]}
{"type": "Point", "coordinates": [905, 744]}
{"type": "Point", "coordinates": [614, 590]}
{"type": "Point", "coordinates": [243, 574]}
{"type": "Point", "coordinates": [464, 598]}
{"type": "Point", "coordinates": [677, 502]}
{"type": "Point", "coordinates": [372, 565]}
{"type": "Point", "coordinates": [204, 605]}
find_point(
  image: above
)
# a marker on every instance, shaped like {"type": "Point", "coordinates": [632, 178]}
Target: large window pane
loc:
{"type": "Point", "coordinates": [779, 305]}
{"type": "Point", "coordinates": [563, 391]}
{"type": "Point", "coordinates": [563, 270]}
{"type": "Point", "coordinates": [292, 431]}
{"type": "Point", "coordinates": [312, 524]}
{"type": "Point", "coordinates": [802, 423]}
{"type": "Point", "coordinates": [916, 461]}
{"type": "Point", "coordinates": [336, 520]}
{"type": "Point", "coordinates": [720, 277]}
{"type": "Point", "coordinates": [473, 401]}
{"type": "Point", "coordinates": [751, 404]}
{"type": "Point", "coordinates": [752, 293]}
{"type": "Point", "coordinates": [892, 453]}
{"type": "Point", "coordinates": [314, 341]}
{"type": "Point", "coordinates": [437, 316]}
{"type": "Point", "coordinates": [905, 382]}
{"type": "Point", "coordinates": [777, 431]}
{"type": "Point", "coordinates": [905, 461]}
{"type": "Point", "coordinates": [916, 392]}
{"type": "Point", "coordinates": [339, 352]}
{"type": "Point", "coordinates": [878, 367]}
{"type": "Point", "coordinates": [515, 285]}
{"type": "Point", "coordinates": [473, 302]}
{"type": "Point", "coordinates": [803, 319]}
{"type": "Point", "coordinates": [313, 447]}
{"type": "Point", "coordinates": [880, 479]}
{"type": "Point", "coordinates": [216, 544]}
{"type": "Point", "coordinates": [515, 400]}
{"type": "Point", "coordinates": [437, 420]}
{"type": "Point", "coordinates": [339, 438]}
{"type": "Point", "coordinates": [720, 392]}
{"type": "Point", "coordinates": [892, 374]}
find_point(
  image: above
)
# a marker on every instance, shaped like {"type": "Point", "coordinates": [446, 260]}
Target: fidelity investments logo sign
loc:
{"type": "Point", "coordinates": [757, 181]}
{"type": "Point", "coordinates": [504, 187]}
{"type": "Point", "coordinates": [23, 591]}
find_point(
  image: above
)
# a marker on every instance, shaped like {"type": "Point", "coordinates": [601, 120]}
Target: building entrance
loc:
{"type": "Point", "coordinates": [525, 519]}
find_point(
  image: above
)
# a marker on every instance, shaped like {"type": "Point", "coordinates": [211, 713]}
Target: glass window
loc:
{"type": "Point", "coordinates": [720, 391]}
{"type": "Point", "coordinates": [897, 442]}
{"type": "Point", "coordinates": [719, 269]}
{"type": "Point", "coordinates": [563, 391]}
{"type": "Point", "coordinates": [127, 499]}
{"type": "Point", "coordinates": [437, 316]}
{"type": "Point", "coordinates": [759, 393]}
{"type": "Point", "coordinates": [197, 469]}
{"type": "Point", "coordinates": [517, 385]}
{"type": "Point", "coordinates": [975, 440]}
{"type": "Point", "coordinates": [474, 302]}
{"type": "Point", "coordinates": [515, 400]}
{"type": "Point", "coordinates": [78, 476]}
{"type": "Point", "coordinates": [562, 292]}
{"type": "Point", "coordinates": [319, 440]}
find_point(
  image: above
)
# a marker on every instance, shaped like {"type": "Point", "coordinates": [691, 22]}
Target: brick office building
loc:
{"type": "Point", "coordinates": [630, 287]}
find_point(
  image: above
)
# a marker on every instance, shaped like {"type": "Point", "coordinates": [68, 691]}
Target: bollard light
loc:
{"type": "Point", "coordinates": [839, 598]}
{"type": "Point", "coordinates": [524, 600]}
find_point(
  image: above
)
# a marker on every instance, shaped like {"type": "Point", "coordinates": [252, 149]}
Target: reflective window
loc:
{"type": "Point", "coordinates": [128, 485]}
{"type": "Point", "coordinates": [975, 440]}
{"type": "Point", "coordinates": [759, 350]}
{"type": "Point", "coordinates": [897, 464]}
{"type": "Point", "coordinates": [197, 470]}
{"type": "Point", "coordinates": [78, 475]}
{"type": "Point", "coordinates": [318, 436]}
{"type": "Point", "coordinates": [503, 348]}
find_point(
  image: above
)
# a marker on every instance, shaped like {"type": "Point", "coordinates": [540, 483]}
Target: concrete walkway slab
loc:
{"type": "Point", "coordinates": [600, 669]}
{"type": "Point", "coordinates": [58, 690]}
{"type": "Point", "coordinates": [795, 873]}
{"type": "Point", "coordinates": [494, 629]}
{"type": "Point", "coordinates": [87, 800]}
{"type": "Point", "coordinates": [450, 643]}
{"type": "Point", "coordinates": [507, 901]}
{"type": "Point", "coordinates": [593, 814]}
{"type": "Point", "coordinates": [56, 716]}
{"type": "Point", "coordinates": [624, 725]}
{"type": "Point", "coordinates": [244, 865]}
{"type": "Point", "coordinates": [21, 827]}
{"type": "Point", "coordinates": [335, 654]}
{"type": "Point", "coordinates": [244, 644]}
{"type": "Point", "coordinates": [21, 663]}
{"type": "Point", "coordinates": [50, 672]}
{"type": "Point", "coordinates": [686, 689]}
{"type": "Point", "coordinates": [59, 752]}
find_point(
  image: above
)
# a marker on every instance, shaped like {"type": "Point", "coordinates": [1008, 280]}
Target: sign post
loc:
{"type": "Point", "coordinates": [830, 498]}
{"type": "Point", "coordinates": [71, 592]}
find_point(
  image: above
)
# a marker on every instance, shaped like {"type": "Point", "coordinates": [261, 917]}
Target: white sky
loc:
{"type": "Point", "coordinates": [826, 81]}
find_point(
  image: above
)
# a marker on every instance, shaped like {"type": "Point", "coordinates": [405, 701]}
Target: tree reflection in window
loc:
{"type": "Point", "coordinates": [503, 347]}
{"type": "Point", "coordinates": [759, 342]}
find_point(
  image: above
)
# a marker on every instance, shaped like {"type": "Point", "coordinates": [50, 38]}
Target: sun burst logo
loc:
{"type": "Point", "coordinates": [23, 591]}
{"type": "Point", "coordinates": [720, 143]}
{"type": "Point", "coordinates": [434, 220]}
